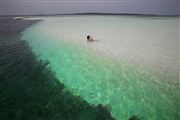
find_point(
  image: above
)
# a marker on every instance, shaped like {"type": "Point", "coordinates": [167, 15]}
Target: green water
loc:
{"type": "Point", "coordinates": [98, 79]}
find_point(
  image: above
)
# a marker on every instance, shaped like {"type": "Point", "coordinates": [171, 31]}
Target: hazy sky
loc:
{"type": "Point", "coordinates": [26, 7]}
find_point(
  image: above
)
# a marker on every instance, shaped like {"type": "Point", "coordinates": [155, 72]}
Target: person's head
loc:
{"type": "Point", "coordinates": [88, 37]}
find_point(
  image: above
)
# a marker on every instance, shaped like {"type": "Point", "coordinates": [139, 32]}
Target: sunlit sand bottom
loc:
{"type": "Point", "coordinates": [132, 67]}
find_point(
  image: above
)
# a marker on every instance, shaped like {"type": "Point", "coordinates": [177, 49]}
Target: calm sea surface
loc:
{"type": "Point", "coordinates": [29, 90]}
{"type": "Point", "coordinates": [132, 67]}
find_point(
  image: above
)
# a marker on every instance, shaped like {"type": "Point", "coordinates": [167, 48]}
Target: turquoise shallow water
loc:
{"type": "Point", "coordinates": [98, 79]}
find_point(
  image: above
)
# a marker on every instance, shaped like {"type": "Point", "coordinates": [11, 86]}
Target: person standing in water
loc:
{"type": "Point", "coordinates": [89, 38]}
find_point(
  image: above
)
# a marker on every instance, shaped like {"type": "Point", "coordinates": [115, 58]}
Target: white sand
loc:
{"type": "Point", "coordinates": [150, 42]}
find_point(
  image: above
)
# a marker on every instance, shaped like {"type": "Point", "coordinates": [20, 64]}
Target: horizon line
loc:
{"type": "Point", "coordinates": [89, 13]}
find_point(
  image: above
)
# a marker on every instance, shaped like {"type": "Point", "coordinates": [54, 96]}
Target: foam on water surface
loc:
{"type": "Point", "coordinates": [118, 69]}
